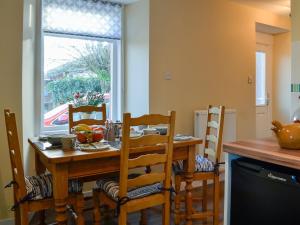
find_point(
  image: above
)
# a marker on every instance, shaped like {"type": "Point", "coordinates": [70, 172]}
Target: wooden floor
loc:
{"type": "Point", "coordinates": [153, 215]}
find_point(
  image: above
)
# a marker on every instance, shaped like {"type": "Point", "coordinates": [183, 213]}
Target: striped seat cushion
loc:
{"type": "Point", "coordinates": [111, 187]}
{"type": "Point", "coordinates": [202, 164]}
{"type": "Point", "coordinates": [40, 186]}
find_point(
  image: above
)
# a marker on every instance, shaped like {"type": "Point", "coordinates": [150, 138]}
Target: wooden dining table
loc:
{"type": "Point", "coordinates": [76, 164]}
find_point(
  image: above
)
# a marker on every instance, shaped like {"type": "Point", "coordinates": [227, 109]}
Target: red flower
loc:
{"type": "Point", "coordinates": [77, 95]}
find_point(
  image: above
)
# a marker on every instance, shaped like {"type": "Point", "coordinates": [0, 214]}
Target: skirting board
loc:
{"type": "Point", "coordinates": [9, 221]}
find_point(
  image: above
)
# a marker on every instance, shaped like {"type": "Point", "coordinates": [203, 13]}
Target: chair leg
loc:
{"type": "Point", "coordinates": [24, 214]}
{"type": "Point", "coordinates": [177, 199]}
{"type": "Point", "coordinates": [204, 196]}
{"type": "Point", "coordinates": [122, 217]}
{"type": "Point", "coordinates": [17, 213]}
{"type": "Point", "coordinates": [166, 211]}
{"type": "Point", "coordinates": [96, 212]}
{"type": "Point", "coordinates": [216, 199]}
{"type": "Point", "coordinates": [143, 220]}
{"type": "Point", "coordinates": [79, 207]}
{"type": "Point", "coordinates": [42, 217]}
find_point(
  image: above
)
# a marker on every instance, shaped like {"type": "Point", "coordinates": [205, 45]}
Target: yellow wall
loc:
{"type": "Point", "coordinates": [11, 12]}
{"type": "Point", "coordinates": [209, 48]}
{"type": "Point", "coordinates": [282, 77]}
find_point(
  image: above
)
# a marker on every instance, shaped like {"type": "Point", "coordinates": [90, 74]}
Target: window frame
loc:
{"type": "Point", "coordinates": [117, 76]}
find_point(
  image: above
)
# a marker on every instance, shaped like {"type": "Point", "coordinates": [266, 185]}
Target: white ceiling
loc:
{"type": "Point", "coordinates": [282, 7]}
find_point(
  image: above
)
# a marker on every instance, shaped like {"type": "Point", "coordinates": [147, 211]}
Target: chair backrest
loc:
{"type": "Point", "coordinates": [86, 109]}
{"type": "Point", "coordinates": [15, 154]}
{"type": "Point", "coordinates": [214, 132]}
{"type": "Point", "coordinates": [142, 144]}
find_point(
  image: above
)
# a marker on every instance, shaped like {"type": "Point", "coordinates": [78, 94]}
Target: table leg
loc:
{"type": "Point", "coordinates": [60, 193]}
{"type": "Point", "coordinates": [39, 169]}
{"type": "Point", "coordinates": [189, 174]}
{"type": "Point", "coordinates": [39, 166]}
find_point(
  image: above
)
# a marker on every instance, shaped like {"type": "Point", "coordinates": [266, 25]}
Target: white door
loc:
{"type": "Point", "coordinates": [263, 89]}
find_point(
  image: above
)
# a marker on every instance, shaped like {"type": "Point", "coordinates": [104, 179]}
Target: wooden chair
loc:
{"type": "Point", "coordinates": [129, 193]}
{"type": "Point", "coordinates": [87, 109]}
{"type": "Point", "coordinates": [29, 191]}
{"type": "Point", "coordinates": [72, 123]}
{"type": "Point", "coordinates": [207, 168]}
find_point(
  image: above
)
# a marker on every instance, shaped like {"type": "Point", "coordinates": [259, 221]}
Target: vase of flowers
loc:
{"type": "Point", "coordinates": [91, 98]}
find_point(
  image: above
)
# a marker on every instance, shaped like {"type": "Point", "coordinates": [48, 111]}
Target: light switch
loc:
{"type": "Point", "coordinates": [250, 79]}
{"type": "Point", "coordinates": [168, 76]}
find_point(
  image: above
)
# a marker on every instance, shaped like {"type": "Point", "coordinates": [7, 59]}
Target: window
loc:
{"type": "Point", "coordinates": [81, 49]}
{"type": "Point", "coordinates": [261, 97]}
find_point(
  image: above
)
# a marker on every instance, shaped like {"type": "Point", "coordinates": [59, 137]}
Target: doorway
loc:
{"type": "Point", "coordinates": [264, 50]}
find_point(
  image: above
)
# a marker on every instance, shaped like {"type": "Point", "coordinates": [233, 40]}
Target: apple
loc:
{"type": "Point", "coordinates": [81, 137]}
{"type": "Point", "coordinates": [97, 136]}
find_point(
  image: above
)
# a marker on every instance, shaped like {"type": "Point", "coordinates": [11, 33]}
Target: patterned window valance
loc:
{"type": "Point", "coordinates": [92, 18]}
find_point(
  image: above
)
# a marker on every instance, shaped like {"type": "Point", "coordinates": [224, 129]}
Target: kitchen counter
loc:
{"type": "Point", "coordinates": [266, 150]}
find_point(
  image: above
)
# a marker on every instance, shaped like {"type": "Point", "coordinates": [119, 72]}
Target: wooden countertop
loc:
{"type": "Point", "coordinates": [266, 150]}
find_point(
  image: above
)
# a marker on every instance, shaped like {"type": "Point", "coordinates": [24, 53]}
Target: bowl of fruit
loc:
{"type": "Point", "coordinates": [88, 134]}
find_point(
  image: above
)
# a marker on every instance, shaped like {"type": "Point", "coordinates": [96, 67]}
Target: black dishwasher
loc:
{"type": "Point", "coordinates": [264, 194]}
